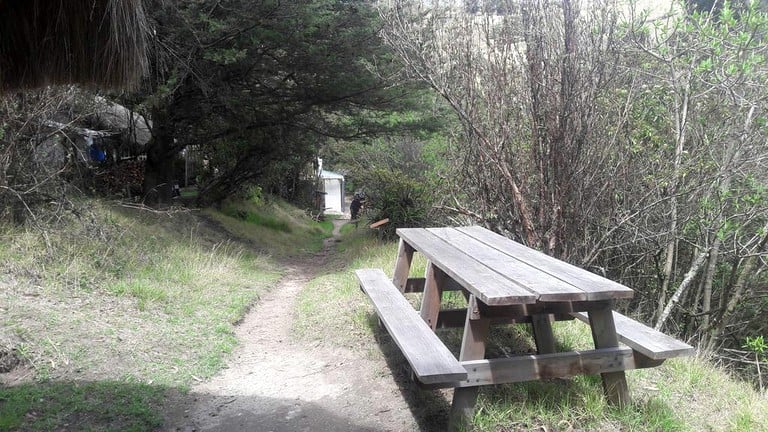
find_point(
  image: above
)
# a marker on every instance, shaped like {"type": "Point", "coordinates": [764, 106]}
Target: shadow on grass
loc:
{"type": "Point", "coordinates": [59, 406]}
{"type": "Point", "coordinates": [124, 406]}
{"type": "Point", "coordinates": [532, 405]}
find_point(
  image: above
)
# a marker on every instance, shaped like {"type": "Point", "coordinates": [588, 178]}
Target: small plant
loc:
{"type": "Point", "coordinates": [757, 346]}
{"type": "Point", "coordinates": [255, 195]}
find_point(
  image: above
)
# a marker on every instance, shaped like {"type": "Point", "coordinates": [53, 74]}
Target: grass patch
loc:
{"type": "Point", "coordinates": [259, 219]}
{"type": "Point", "coordinates": [682, 395]}
{"type": "Point", "coordinates": [274, 226]}
{"type": "Point", "coordinates": [95, 406]}
{"type": "Point", "coordinates": [125, 301]}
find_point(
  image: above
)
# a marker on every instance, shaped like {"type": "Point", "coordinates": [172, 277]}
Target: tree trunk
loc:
{"type": "Point", "coordinates": [694, 270]}
{"type": "Point", "coordinates": [740, 288]}
{"type": "Point", "coordinates": [709, 276]}
{"type": "Point", "coordinates": [682, 102]}
{"type": "Point", "coordinates": [159, 177]}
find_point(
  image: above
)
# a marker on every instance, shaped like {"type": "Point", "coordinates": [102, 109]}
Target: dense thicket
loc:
{"type": "Point", "coordinates": [259, 86]}
{"type": "Point", "coordinates": [632, 143]}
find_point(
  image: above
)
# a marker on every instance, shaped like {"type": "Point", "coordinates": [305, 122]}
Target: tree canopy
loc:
{"type": "Point", "coordinates": [257, 86]}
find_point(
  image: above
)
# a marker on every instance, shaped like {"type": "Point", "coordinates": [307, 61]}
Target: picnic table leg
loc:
{"type": "Point", "coordinates": [403, 265]}
{"type": "Point", "coordinates": [604, 335]}
{"type": "Point", "coordinates": [543, 334]}
{"type": "Point", "coordinates": [433, 293]}
{"type": "Point", "coordinates": [472, 348]}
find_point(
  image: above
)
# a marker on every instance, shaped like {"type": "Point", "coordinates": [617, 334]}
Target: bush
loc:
{"type": "Point", "coordinates": [394, 195]}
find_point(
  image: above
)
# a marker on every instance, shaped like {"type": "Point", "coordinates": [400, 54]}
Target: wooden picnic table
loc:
{"type": "Point", "coordinates": [505, 282]}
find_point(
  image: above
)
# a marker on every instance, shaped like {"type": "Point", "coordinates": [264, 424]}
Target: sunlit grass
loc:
{"type": "Point", "coordinates": [145, 299]}
{"type": "Point", "coordinates": [276, 227]}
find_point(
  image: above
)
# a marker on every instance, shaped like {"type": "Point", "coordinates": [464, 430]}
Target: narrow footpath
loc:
{"type": "Point", "coordinates": [275, 383]}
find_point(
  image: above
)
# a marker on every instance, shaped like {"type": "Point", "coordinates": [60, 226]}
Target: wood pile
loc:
{"type": "Point", "coordinates": [125, 178]}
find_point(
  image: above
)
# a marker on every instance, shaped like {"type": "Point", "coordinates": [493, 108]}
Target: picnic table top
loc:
{"type": "Point", "coordinates": [500, 271]}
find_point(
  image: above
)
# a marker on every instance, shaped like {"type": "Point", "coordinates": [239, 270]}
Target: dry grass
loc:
{"type": "Point", "coordinates": [129, 298]}
{"type": "Point", "coordinates": [99, 42]}
{"type": "Point", "coordinates": [121, 307]}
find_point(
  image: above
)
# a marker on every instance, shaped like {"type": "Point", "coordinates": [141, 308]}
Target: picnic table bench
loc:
{"type": "Point", "coordinates": [505, 282]}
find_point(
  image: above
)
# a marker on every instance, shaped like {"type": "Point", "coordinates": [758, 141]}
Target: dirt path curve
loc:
{"type": "Point", "coordinates": [274, 383]}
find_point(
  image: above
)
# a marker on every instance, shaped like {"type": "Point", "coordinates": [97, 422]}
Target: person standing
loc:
{"type": "Point", "coordinates": [355, 206]}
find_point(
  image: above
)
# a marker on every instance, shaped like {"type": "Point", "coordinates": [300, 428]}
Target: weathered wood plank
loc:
{"type": "Point", "coordinates": [604, 334]}
{"type": "Point", "coordinates": [454, 318]}
{"type": "Point", "coordinates": [472, 348]}
{"type": "Point", "coordinates": [543, 334]}
{"type": "Point", "coordinates": [651, 343]}
{"type": "Point", "coordinates": [433, 295]}
{"type": "Point", "coordinates": [543, 308]}
{"type": "Point", "coordinates": [544, 366]}
{"type": "Point", "coordinates": [402, 265]}
{"type": "Point", "coordinates": [547, 286]}
{"type": "Point", "coordinates": [596, 287]}
{"type": "Point", "coordinates": [430, 360]}
{"type": "Point", "coordinates": [489, 286]}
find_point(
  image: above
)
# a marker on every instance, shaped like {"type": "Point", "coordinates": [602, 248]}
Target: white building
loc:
{"type": "Point", "coordinates": [332, 187]}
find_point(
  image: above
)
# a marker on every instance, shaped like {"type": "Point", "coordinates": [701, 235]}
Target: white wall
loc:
{"type": "Point", "coordinates": [334, 196]}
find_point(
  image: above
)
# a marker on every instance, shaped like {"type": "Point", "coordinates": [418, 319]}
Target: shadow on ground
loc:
{"type": "Point", "coordinates": [430, 408]}
{"type": "Point", "coordinates": [125, 406]}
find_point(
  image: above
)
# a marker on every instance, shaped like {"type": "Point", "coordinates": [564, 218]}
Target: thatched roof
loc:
{"type": "Point", "coordinates": [95, 42]}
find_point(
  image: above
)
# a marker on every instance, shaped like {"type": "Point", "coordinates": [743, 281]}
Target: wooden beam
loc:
{"type": "Point", "coordinates": [472, 348]}
{"type": "Point", "coordinates": [454, 318]}
{"type": "Point", "coordinates": [604, 334]}
{"type": "Point", "coordinates": [403, 265]}
{"type": "Point", "coordinates": [433, 295]}
{"type": "Point", "coordinates": [544, 366]}
{"type": "Point", "coordinates": [543, 334]}
{"type": "Point", "coordinates": [416, 285]}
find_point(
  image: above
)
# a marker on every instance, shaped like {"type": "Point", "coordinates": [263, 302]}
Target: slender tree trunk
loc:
{"type": "Point", "coordinates": [731, 155]}
{"type": "Point", "coordinates": [159, 177]}
{"type": "Point", "coordinates": [747, 271]}
{"type": "Point", "coordinates": [709, 276]}
{"type": "Point", "coordinates": [682, 102]}
{"type": "Point", "coordinates": [692, 272]}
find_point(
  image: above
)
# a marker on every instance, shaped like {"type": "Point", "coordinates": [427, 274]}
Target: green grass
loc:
{"type": "Point", "coordinates": [260, 219]}
{"type": "Point", "coordinates": [274, 226]}
{"type": "Point", "coordinates": [112, 310]}
{"type": "Point", "coordinates": [686, 394]}
{"type": "Point", "coordinates": [81, 406]}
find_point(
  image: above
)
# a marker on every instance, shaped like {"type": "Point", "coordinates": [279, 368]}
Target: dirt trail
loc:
{"type": "Point", "coordinates": [274, 383]}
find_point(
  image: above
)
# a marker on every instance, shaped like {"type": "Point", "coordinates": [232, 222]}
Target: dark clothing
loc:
{"type": "Point", "coordinates": [355, 208]}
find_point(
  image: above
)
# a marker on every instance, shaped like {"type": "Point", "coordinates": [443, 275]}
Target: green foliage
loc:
{"type": "Point", "coordinates": [756, 345]}
{"type": "Point", "coordinates": [392, 194]}
{"type": "Point", "coordinates": [397, 175]}
{"type": "Point", "coordinates": [260, 86]}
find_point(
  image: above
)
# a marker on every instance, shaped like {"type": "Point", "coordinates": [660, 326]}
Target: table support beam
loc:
{"type": "Point", "coordinates": [472, 348]}
{"type": "Point", "coordinates": [433, 294]}
{"type": "Point", "coordinates": [403, 265]}
{"type": "Point", "coordinates": [604, 335]}
{"type": "Point", "coordinates": [543, 334]}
